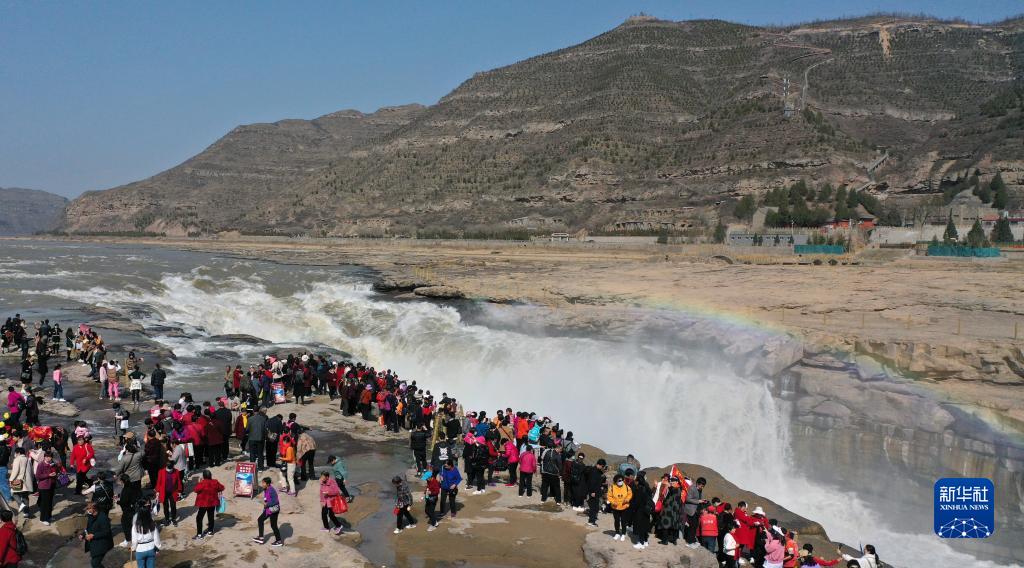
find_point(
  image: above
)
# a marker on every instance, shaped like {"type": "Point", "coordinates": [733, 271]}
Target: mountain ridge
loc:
{"type": "Point", "coordinates": [28, 211]}
{"type": "Point", "coordinates": [636, 125]}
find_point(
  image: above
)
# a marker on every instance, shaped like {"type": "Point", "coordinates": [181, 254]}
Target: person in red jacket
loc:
{"type": "Point", "coordinates": [214, 442]}
{"type": "Point", "coordinates": [746, 533]}
{"type": "Point", "coordinates": [707, 527]}
{"type": "Point", "coordinates": [8, 545]}
{"type": "Point", "coordinates": [83, 457]}
{"type": "Point", "coordinates": [207, 492]}
{"type": "Point", "coordinates": [168, 487]}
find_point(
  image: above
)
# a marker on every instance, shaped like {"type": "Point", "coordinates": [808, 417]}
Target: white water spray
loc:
{"type": "Point", "coordinates": [611, 395]}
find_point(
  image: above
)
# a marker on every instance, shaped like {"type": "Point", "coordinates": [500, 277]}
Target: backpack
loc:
{"type": "Point", "coordinates": [534, 433]}
{"type": "Point", "coordinates": [20, 544]}
{"type": "Point", "coordinates": [576, 473]}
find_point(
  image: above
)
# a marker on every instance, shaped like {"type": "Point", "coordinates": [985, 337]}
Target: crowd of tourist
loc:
{"type": "Point", "coordinates": [161, 460]}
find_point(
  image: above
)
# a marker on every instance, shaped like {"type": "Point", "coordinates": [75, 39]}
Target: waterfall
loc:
{"type": "Point", "coordinates": [616, 395]}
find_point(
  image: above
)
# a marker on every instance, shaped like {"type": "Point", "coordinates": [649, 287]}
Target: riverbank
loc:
{"type": "Point", "coordinates": [495, 529]}
{"type": "Point", "coordinates": [854, 416]}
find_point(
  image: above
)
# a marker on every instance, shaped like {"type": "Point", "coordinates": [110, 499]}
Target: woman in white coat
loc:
{"type": "Point", "coordinates": [20, 478]}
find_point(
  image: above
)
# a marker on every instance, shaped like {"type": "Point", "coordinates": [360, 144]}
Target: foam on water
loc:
{"type": "Point", "coordinates": [613, 395]}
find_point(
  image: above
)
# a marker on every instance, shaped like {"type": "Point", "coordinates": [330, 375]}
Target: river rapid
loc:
{"type": "Point", "coordinates": [622, 394]}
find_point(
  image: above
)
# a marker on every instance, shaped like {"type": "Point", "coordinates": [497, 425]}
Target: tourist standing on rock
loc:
{"type": "Point", "coordinates": [527, 467]}
{"type": "Point", "coordinates": [403, 501]}
{"type": "Point", "coordinates": [745, 536]}
{"type": "Point", "coordinates": [450, 480]}
{"type": "Point", "coordinates": [329, 493]}
{"type": "Point", "coordinates": [730, 552]}
{"type": "Point", "coordinates": [145, 538]}
{"type": "Point", "coordinates": [128, 500]}
{"type": "Point", "coordinates": [694, 501]}
{"type": "Point", "coordinates": [707, 530]}
{"type": "Point", "coordinates": [550, 470]}
{"type": "Point", "coordinates": [168, 487]}
{"type": "Point", "coordinates": [46, 484]}
{"type": "Point", "coordinates": [774, 547]}
{"type": "Point", "coordinates": [339, 472]}
{"type": "Point", "coordinates": [287, 451]}
{"type": "Point", "coordinates": [431, 496]}
{"type": "Point", "coordinates": [156, 380]}
{"type": "Point", "coordinates": [306, 450]}
{"type": "Point", "coordinates": [642, 504]}
{"type": "Point", "coordinates": [99, 537]}
{"type": "Point", "coordinates": [58, 383]}
{"type": "Point", "coordinates": [595, 489]}
{"type": "Point", "coordinates": [418, 440]}
{"type": "Point", "coordinates": [21, 479]}
{"type": "Point", "coordinates": [207, 492]}
{"type": "Point", "coordinates": [255, 432]}
{"type": "Point", "coordinates": [271, 509]}
{"type": "Point", "coordinates": [135, 386]}
{"type": "Point", "coordinates": [619, 496]}
{"type": "Point", "coordinates": [671, 519]}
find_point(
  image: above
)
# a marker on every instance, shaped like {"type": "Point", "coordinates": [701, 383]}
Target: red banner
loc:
{"type": "Point", "coordinates": [245, 479]}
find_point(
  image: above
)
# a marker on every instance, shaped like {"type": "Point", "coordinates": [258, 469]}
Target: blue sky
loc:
{"type": "Point", "coordinates": [96, 94]}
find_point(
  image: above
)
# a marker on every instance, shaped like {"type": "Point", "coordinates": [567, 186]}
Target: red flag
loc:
{"type": "Point", "coordinates": [674, 472]}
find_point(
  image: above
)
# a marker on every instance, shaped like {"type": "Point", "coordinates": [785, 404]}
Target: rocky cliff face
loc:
{"type": "Point", "coordinates": [650, 116]}
{"type": "Point", "coordinates": [28, 211]}
{"type": "Point", "coordinates": [237, 182]}
{"type": "Point", "coordinates": [863, 420]}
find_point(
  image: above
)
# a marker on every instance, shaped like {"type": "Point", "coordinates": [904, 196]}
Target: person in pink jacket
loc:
{"type": "Point", "coordinates": [328, 491]}
{"type": "Point", "coordinates": [527, 467]}
{"type": "Point", "coordinates": [775, 549]}
{"type": "Point", "coordinates": [512, 455]}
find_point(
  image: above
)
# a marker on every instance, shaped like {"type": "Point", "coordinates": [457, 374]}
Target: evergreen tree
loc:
{"type": "Point", "coordinates": [720, 232]}
{"type": "Point", "coordinates": [999, 193]}
{"type": "Point", "coordinates": [951, 236]}
{"type": "Point", "coordinates": [1001, 233]}
{"type": "Point", "coordinates": [935, 241]}
{"type": "Point", "coordinates": [976, 236]}
{"type": "Point", "coordinates": [745, 208]}
{"type": "Point", "coordinates": [825, 194]}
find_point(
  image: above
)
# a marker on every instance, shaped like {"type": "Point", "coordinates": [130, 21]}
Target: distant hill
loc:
{"type": "Point", "coordinates": [245, 171]}
{"type": "Point", "coordinates": [27, 211]}
{"type": "Point", "coordinates": [653, 123]}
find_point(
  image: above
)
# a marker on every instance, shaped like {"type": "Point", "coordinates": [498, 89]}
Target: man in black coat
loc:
{"type": "Point", "coordinates": [99, 538]}
{"type": "Point", "coordinates": [156, 380]}
{"type": "Point", "coordinates": [418, 442]}
{"type": "Point", "coordinates": [594, 477]}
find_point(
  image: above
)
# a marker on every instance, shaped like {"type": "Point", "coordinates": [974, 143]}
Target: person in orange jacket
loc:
{"type": "Point", "coordinates": [287, 452]}
{"type": "Point", "coordinates": [707, 529]}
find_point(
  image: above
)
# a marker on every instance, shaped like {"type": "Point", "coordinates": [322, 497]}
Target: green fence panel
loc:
{"type": "Point", "coordinates": [952, 250]}
{"type": "Point", "coordinates": [819, 249]}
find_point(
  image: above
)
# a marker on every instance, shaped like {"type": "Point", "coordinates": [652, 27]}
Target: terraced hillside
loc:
{"type": "Point", "coordinates": [654, 118]}
{"type": "Point", "coordinates": [247, 169]}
